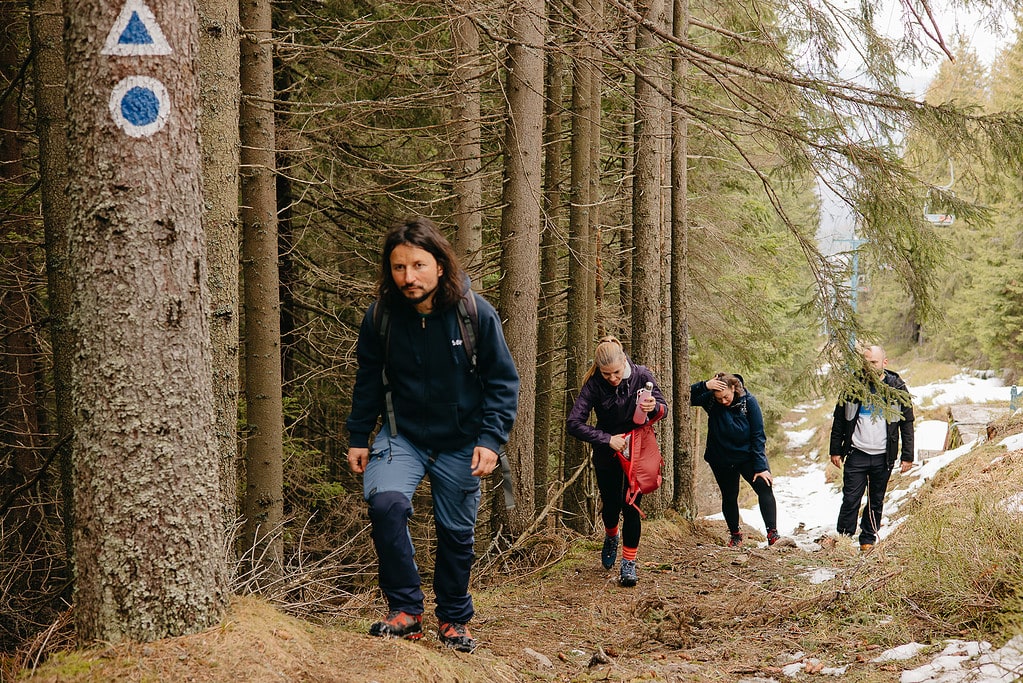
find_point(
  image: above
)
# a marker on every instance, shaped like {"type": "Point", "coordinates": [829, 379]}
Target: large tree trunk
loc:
{"type": "Point", "coordinates": [582, 254]}
{"type": "Point", "coordinates": [465, 140]}
{"type": "Point", "coordinates": [520, 233]}
{"type": "Point", "coordinates": [684, 471]}
{"type": "Point", "coordinates": [218, 124]}
{"type": "Point", "coordinates": [47, 29]}
{"type": "Point", "coordinates": [263, 507]}
{"type": "Point", "coordinates": [148, 531]}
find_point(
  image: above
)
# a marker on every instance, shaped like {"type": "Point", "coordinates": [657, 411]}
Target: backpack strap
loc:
{"type": "Point", "coordinates": [468, 325]}
{"type": "Point", "coordinates": [382, 323]}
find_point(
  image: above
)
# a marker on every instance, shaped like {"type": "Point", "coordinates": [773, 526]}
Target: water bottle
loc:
{"type": "Point", "coordinates": [639, 417]}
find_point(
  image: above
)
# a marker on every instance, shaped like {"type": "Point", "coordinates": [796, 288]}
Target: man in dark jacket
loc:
{"type": "Point", "coordinates": [867, 436]}
{"type": "Point", "coordinates": [451, 419]}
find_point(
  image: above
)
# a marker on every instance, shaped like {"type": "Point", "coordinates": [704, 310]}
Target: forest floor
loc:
{"type": "Point", "coordinates": [701, 612]}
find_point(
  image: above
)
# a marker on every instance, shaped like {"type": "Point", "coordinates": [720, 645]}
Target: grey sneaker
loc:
{"type": "Point", "coordinates": [628, 577]}
{"type": "Point", "coordinates": [609, 553]}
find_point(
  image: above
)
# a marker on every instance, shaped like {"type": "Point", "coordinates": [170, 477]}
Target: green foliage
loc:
{"type": "Point", "coordinates": [975, 318]}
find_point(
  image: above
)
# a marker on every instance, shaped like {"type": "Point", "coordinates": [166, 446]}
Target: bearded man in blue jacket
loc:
{"type": "Point", "coordinates": [448, 419]}
{"type": "Point", "coordinates": [865, 434]}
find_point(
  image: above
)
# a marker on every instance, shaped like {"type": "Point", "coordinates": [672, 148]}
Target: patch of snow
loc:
{"type": "Point", "coordinates": [793, 670]}
{"type": "Point", "coordinates": [1013, 503]}
{"type": "Point", "coordinates": [906, 651]}
{"type": "Point", "coordinates": [929, 435]}
{"type": "Point", "coordinates": [1012, 443]}
{"type": "Point", "coordinates": [961, 389]}
{"type": "Point", "coordinates": [798, 439]}
{"type": "Point", "coordinates": [834, 670]}
{"type": "Point", "coordinates": [821, 575]}
{"type": "Point", "coordinates": [1003, 665]}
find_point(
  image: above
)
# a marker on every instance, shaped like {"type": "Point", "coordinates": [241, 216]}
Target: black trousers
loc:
{"type": "Point", "coordinates": [727, 477]}
{"type": "Point", "coordinates": [863, 472]}
{"type": "Point", "coordinates": [613, 487]}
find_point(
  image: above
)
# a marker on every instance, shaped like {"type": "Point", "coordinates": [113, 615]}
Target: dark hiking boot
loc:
{"type": "Point", "coordinates": [609, 553]}
{"type": "Point", "coordinates": [628, 574]}
{"type": "Point", "coordinates": [399, 624]}
{"type": "Point", "coordinates": [456, 636]}
{"type": "Point", "coordinates": [735, 539]}
{"type": "Point", "coordinates": [772, 536]}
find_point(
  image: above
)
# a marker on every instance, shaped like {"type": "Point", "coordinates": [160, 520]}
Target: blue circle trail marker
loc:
{"type": "Point", "coordinates": [140, 105]}
{"type": "Point", "coordinates": [136, 32]}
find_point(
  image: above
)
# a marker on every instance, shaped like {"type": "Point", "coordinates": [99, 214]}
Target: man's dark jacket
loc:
{"type": "Point", "coordinates": [440, 403]}
{"type": "Point", "coordinates": [847, 412]}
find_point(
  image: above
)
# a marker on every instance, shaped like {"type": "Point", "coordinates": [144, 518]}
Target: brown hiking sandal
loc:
{"type": "Point", "coordinates": [456, 636]}
{"type": "Point", "coordinates": [399, 624]}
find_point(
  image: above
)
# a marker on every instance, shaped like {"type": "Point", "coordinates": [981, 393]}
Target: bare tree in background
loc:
{"type": "Point", "coordinates": [218, 124]}
{"type": "Point", "coordinates": [263, 504]}
{"type": "Point", "coordinates": [520, 232]}
{"type": "Point", "coordinates": [46, 25]}
{"type": "Point", "coordinates": [684, 465]}
{"type": "Point", "coordinates": [465, 138]}
{"type": "Point", "coordinates": [582, 247]}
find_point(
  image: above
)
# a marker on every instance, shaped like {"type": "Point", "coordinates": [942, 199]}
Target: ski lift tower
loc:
{"type": "Point", "coordinates": [942, 219]}
{"type": "Point", "coordinates": [854, 278]}
{"type": "Point", "coordinates": [854, 275]}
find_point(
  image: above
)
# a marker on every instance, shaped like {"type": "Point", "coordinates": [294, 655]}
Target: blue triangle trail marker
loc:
{"type": "Point", "coordinates": [136, 32]}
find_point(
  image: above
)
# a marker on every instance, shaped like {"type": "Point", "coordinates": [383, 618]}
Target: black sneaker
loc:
{"type": "Point", "coordinates": [398, 624]}
{"type": "Point", "coordinates": [609, 553]}
{"type": "Point", "coordinates": [735, 540]}
{"type": "Point", "coordinates": [772, 536]}
{"type": "Point", "coordinates": [628, 573]}
{"type": "Point", "coordinates": [456, 636]}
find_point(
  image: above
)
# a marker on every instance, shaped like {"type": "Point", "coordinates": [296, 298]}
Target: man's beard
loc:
{"type": "Point", "coordinates": [415, 301]}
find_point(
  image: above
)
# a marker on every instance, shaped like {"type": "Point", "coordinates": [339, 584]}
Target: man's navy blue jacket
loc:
{"type": "Point", "coordinates": [439, 402]}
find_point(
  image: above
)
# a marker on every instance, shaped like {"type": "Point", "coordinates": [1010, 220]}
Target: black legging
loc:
{"type": "Point", "coordinates": [727, 477]}
{"type": "Point", "coordinates": [611, 484]}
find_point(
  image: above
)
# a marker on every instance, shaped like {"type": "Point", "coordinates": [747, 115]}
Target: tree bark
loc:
{"type": "Point", "coordinates": [263, 506]}
{"type": "Point", "coordinates": [148, 532]}
{"type": "Point", "coordinates": [684, 470]}
{"type": "Point", "coordinates": [520, 232]}
{"type": "Point", "coordinates": [547, 323]}
{"type": "Point", "coordinates": [465, 141]}
{"type": "Point", "coordinates": [218, 125]}
{"type": "Point", "coordinates": [46, 26]}
{"type": "Point", "coordinates": [646, 195]}
{"type": "Point", "coordinates": [582, 253]}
